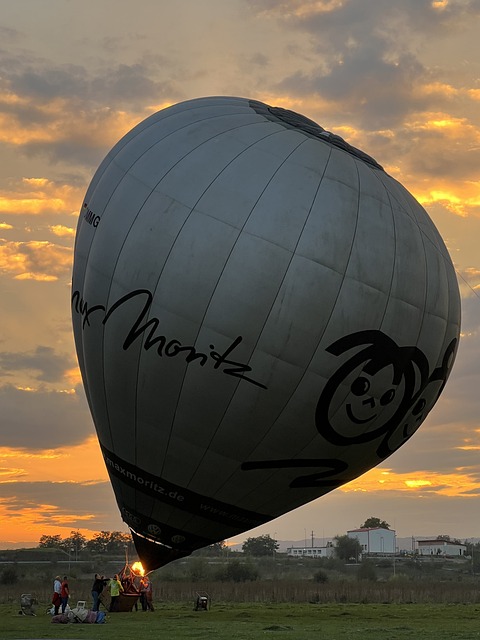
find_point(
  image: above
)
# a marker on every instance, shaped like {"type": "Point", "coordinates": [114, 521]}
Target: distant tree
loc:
{"type": "Point", "coordinates": [75, 541]}
{"type": "Point", "coordinates": [347, 548]}
{"type": "Point", "coordinates": [99, 542]}
{"type": "Point", "coordinates": [260, 546]}
{"type": "Point", "coordinates": [51, 542]}
{"type": "Point", "coordinates": [108, 542]}
{"type": "Point", "coordinates": [373, 523]}
{"type": "Point", "coordinates": [118, 541]}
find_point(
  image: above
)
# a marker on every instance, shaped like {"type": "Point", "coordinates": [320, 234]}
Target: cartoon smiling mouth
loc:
{"type": "Point", "coordinates": [356, 420]}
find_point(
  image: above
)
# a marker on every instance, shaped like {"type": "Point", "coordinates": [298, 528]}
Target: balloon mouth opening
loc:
{"type": "Point", "coordinates": [153, 554]}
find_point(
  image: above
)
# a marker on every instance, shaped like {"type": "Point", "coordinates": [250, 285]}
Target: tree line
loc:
{"type": "Point", "coordinates": [103, 542]}
{"type": "Point", "coordinates": [116, 542]}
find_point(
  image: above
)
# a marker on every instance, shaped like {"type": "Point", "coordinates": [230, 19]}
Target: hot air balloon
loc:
{"type": "Point", "coordinates": [261, 314]}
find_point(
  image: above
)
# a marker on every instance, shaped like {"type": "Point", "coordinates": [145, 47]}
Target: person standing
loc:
{"type": "Point", "coordinates": [64, 593]}
{"type": "Point", "coordinates": [115, 589]}
{"type": "Point", "coordinates": [146, 594]}
{"type": "Point", "coordinates": [57, 595]}
{"type": "Point", "coordinates": [97, 588]}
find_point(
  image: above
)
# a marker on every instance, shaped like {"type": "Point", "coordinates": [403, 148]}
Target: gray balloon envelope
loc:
{"type": "Point", "coordinates": [261, 314]}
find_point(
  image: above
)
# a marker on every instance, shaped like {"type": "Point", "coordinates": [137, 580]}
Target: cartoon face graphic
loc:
{"type": "Point", "coordinates": [421, 404]}
{"type": "Point", "coordinates": [380, 391]}
{"type": "Point", "coordinates": [363, 399]}
{"type": "Point", "coordinates": [371, 391]}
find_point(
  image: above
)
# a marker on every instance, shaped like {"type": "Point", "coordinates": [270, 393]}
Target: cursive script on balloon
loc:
{"type": "Point", "coordinates": [170, 348]}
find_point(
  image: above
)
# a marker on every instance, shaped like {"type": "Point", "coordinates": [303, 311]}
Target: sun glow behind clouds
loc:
{"type": "Point", "coordinates": [440, 4]}
{"type": "Point", "coordinates": [31, 522]}
{"type": "Point", "coordinates": [456, 483]}
{"type": "Point", "coordinates": [67, 469]}
{"type": "Point", "coordinates": [414, 484]}
{"type": "Point", "coordinates": [84, 462]}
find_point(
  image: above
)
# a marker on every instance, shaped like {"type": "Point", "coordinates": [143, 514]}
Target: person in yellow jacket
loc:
{"type": "Point", "coordinates": [116, 589]}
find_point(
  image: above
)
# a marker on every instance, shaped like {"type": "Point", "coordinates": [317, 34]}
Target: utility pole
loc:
{"type": "Point", "coordinates": [312, 539]}
{"type": "Point", "coordinates": [394, 550]}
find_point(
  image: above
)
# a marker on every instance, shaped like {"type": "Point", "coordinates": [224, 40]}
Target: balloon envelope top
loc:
{"type": "Point", "coordinates": [261, 314]}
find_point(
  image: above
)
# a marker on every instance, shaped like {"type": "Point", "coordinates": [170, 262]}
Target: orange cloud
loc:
{"type": "Point", "coordinates": [458, 198]}
{"type": "Point", "coordinates": [471, 444]}
{"type": "Point", "coordinates": [437, 88]}
{"type": "Point", "coordinates": [440, 5]}
{"type": "Point", "coordinates": [458, 129]}
{"type": "Point", "coordinates": [29, 525]}
{"type": "Point", "coordinates": [474, 94]}
{"type": "Point", "coordinates": [73, 376]}
{"type": "Point", "coordinates": [58, 120]}
{"type": "Point", "coordinates": [74, 462]}
{"type": "Point", "coordinates": [61, 231]}
{"type": "Point", "coordinates": [34, 260]}
{"type": "Point", "coordinates": [11, 472]}
{"type": "Point", "coordinates": [35, 196]}
{"type": "Point", "coordinates": [459, 138]}
{"type": "Point", "coordinates": [81, 464]}
{"type": "Point", "coordinates": [302, 8]}
{"type": "Point", "coordinates": [454, 484]}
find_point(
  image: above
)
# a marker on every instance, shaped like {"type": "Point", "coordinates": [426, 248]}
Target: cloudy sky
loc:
{"type": "Point", "coordinates": [398, 78]}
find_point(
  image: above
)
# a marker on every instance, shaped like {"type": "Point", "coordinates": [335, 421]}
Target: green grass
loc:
{"type": "Point", "coordinates": [235, 621]}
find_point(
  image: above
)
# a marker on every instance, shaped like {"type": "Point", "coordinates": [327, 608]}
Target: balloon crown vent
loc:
{"type": "Point", "coordinates": [297, 121]}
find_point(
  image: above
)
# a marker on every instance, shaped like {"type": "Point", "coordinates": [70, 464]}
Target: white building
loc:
{"type": "Point", "coordinates": [444, 548]}
{"type": "Point", "coordinates": [375, 541]}
{"type": "Point", "coordinates": [312, 552]}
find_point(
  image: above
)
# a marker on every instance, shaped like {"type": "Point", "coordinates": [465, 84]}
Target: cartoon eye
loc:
{"type": "Point", "coordinates": [387, 397]}
{"type": "Point", "coordinates": [419, 407]}
{"type": "Point", "coordinates": [360, 386]}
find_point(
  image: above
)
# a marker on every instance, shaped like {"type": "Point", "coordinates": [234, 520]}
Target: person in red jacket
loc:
{"type": "Point", "coordinates": [64, 593]}
{"type": "Point", "coordinates": [57, 597]}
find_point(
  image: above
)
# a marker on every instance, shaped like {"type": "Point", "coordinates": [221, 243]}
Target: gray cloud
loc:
{"type": "Point", "coordinates": [53, 96]}
{"type": "Point", "coordinates": [419, 16]}
{"type": "Point", "coordinates": [135, 85]}
{"type": "Point", "coordinates": [368, 61]}
{"type": "Point", "coordinates": [8, 35]}
{"type": "Point", "coordinates": [47, 83]}
{"type": "Point", "coordinates": [43, 419]}
{"type": "Point", "coordinates": [48, 365]}
{"type": "Point", "coordinates": [119, 85]}
{"type": "Point", "coordinates": [373, 92]}
{"type": "Point", "coordinates": [76, 150]}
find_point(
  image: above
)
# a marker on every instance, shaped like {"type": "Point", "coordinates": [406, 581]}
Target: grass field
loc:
{"type": "Point", "coordinates": [239, 621]}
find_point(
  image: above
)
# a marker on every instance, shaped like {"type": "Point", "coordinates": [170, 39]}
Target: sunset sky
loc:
{"type": "Point", "coordinates": [399, 79]}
